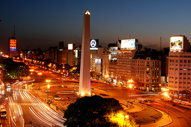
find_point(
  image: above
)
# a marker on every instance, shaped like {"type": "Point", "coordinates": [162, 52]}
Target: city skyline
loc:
{"type": "Point", "coordinates": [45, 23]}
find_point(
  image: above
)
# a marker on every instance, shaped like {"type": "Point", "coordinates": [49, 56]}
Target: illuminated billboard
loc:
{"type": "Point", "coordinates": [70, 46]}
{"type": "Point", "coordinates": [97, 61]}
{"type": "Point", "coordinates": [13, 45]}
{"type": "Point", "coordinates": [128, 44]}
{"type": "Point", "coordinates": [76, 54]}
{"type": "Point", "coordinates": [94, 44]}
{"type": "Point", "coordinates": [176, 43]}
{"type": "Point", "coordinates": [113, 52]}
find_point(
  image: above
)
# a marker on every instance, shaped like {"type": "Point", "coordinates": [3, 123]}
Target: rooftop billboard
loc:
{"type": "Point", "coordinates": [97, 61]}
{"type": "Point", "coordinates": [113, 52]}
{"type": "Point", "coordinates": [128, 44]}
{"type": "Point", "coordinates": [70, 46]}
{"type": "Point", "coordinates": [94, 44]}
{"type": "Point", "coordinates": [176, 43]}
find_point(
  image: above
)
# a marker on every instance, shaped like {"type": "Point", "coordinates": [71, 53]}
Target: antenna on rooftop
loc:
{"type": "Point", "coordinates": [14, 31]}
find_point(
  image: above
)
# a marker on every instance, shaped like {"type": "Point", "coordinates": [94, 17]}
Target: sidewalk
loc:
{"type": "Point", "coordinates": [165, 120]}
{"type": "Point", "coordinates": [135, 108]}
{"type": "Point", "coordinates": [146, 115]}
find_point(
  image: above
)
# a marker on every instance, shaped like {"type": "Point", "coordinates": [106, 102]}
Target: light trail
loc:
{"type": "Point", "coordinates": [39, 117]}
{"type": "Point", "coordinates": [12, 117]}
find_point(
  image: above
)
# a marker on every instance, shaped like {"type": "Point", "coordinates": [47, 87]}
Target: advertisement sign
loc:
{"type": "Point", "coordinates": [76, 53]}
{"type": "Point", "coordinates": [128, 44]}
{"type": "Point", "coordinates": [97, 61]}
{"type": "Point", "coordinates": [176, 43]}
{"type": "Point", "coordinates": [13, 45]}
{"type": "Point", "coordinates": [113, 52]}
{"type": "Point", "coordinates": [94, 44]}
{"type": "Point", "coordinates": [70, 46]}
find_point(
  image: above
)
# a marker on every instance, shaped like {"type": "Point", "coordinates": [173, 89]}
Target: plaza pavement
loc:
{"type": "Point", "coordinates": [140, 111]}
{"type": "Point", "coordinates": [136, 110]}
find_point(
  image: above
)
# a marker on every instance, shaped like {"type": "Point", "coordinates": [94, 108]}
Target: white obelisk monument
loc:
{"type": "Point", "coordinates": [85, 84]}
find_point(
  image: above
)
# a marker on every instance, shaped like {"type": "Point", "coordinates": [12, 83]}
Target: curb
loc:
{"type": "Point", "coordinates": [144, 108]}
{"type": "Point", "coordinates": [158, 120]}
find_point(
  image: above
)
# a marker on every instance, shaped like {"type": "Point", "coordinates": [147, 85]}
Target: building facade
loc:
{"type": "Point", "coordinates": [179, 67]}
{"type": "Point", "coordinates": [146, 70]}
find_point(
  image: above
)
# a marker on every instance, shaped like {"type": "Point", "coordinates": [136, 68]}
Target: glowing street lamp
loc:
{"type": "Point", "coordinates": [39, 73]}
{"type": "Point", "coordinates": [166, 95]}
{"type": "Point", "coordinates": [48, 80]}
{"type": "Point", "coordinates": [123, 118]}
{"type": "Point", "coordinates": [130, 86]}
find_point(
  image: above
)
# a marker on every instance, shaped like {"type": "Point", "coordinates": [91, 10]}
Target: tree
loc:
{"type": "Point", "coordinates": [91, 111]}
{"type": "Point", "coordinates": [15, 69]}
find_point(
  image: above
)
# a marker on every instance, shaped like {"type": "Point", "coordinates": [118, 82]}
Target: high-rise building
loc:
{"type": "Point", "coordinates": [179, 67]}
{"type": "Point", "coordinates": [128, 47]}
{"type": "Point", "coordinates": [61, 45]}
{"type": "Point", "coordinates": [96, 60]}
{"type": "Point", "coordinates": [13, 46]}
{"type": "Point", "coordinates": [105, 64]}
{"type": "Point", "coordinates": [146, 70]}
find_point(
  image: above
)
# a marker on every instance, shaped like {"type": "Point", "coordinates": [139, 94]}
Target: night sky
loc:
{"type": "Point", "coordinates": [43, 23]}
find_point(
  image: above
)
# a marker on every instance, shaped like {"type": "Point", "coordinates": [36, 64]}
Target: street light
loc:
{"type": "Point", "coordinates": [166, 95]}
{"type": "Point", "coordinates": [48, 80]}
{"type": "Point", "coordinates": [48, 86]}
{"type": "Point", "coordinates": [39, 73]}
{"type": "Point", "coordinates": [130, 86]}
{"type": "Point", "coordinates": [123, 119]}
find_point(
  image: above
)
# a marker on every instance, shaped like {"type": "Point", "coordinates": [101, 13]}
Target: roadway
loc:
{"type": "Point", "coordinates": [24, 108]}
{"type": "Point", "coordinates": [180, 115]}
{"type": "Point", "coordinates": [33, 109]}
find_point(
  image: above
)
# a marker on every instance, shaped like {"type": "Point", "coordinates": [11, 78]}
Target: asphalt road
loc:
{"type": "Point", "coordinates": [180, 116]}
{"type": "Point", "coordinates": [24, 108]}
{"type": "Point", "coordinates": [33, 110]}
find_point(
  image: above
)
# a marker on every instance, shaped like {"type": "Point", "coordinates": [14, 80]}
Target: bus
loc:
{"type": "Point", "coordinates": [3, 112]}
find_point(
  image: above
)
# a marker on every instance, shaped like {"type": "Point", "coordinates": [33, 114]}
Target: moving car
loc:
{"type": "Point", "coordinates": [3, 112]}
{"type": "Point", "coordinates": [177, 101]}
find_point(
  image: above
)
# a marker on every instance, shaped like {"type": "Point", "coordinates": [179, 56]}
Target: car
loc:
{"type": "Point", "coordinates": [177, 101]}
{"type": "Point", "coordinates": [47, 91]}
{"type": "Point", "coordinates": [184, 103]}
{"type": "Point", "coordinates": [56, 97]}
{"type": "Point", "coordinates": [3, 112]}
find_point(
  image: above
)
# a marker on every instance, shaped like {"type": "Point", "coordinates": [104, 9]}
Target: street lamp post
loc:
{"type": "Point", "coordinates": [40, 73]}
{"type": "Point", "coordinates": [166, 95]}
{"type": "Point", "coordinates": [124, 117]}
{"type": "Point", "coordinates": [48, 86]}
{"type": "Point", "coordinates": [130, 86]}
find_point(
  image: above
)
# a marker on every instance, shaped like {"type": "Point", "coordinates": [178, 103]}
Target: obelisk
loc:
{"type": "Point", "coordinates": [85, 84]}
